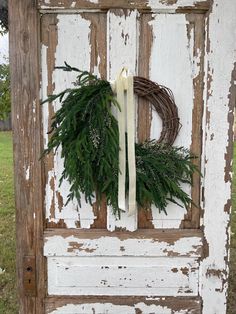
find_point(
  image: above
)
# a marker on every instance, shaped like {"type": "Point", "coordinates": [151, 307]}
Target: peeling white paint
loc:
{"type": "Point", "coordinates": [122, 52]}
{"type": "Point", "coordinates": [220, 62]}
{"type": "Point", "coordinates": [49, 195]}
{"type": "Point", "coordinates": [163, 4]}
{"type": "Point", "coordinates": [76, 31]}
{"type": "Point", "coordinates": [155, 5]}
{"type": "Point", "coordinates": [122, 48]}
{"type": "Point", "coordinates": [172, 57]}
{"type": "Point", "coordinates": [196, 63]}
{"type": "Point", "coordinates": [113, 246]}
{"type": "Point", "coordinates": [72, 260]}
{"type": "Point", "coordinates": [122, 276]}
{"type": "Point", "coordinates": [96, 68]}
{"type": "Point", "coordinates": [34, 110]}
{"type": "Point", "coordinates": [93, 1]}
{"type": "Point", "coordinates": [44, 95]}
{"type": "Point", "coordinates": [109, 308]}
{"type": "Point", "coordinates": [27, 173]}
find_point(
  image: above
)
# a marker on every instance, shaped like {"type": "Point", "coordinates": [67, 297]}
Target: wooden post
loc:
{"type": "Point", "coordinates": [25, 75]}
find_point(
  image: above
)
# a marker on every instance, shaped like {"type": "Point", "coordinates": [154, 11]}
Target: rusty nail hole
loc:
{"type": "Point", "coordinates": [29, 269]}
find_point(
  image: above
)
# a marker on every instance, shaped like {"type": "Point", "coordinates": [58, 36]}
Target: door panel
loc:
{"type": "Point", "coordinates": [167, 48]}
{"type": "Point", "coordinates": [85, 41]}
{"type": "Point", "coordinates": [94, 253]}
{"type": "Point", "coordinates": [123, 263]}
{"type": "Point", "coordinates": [176, 60]}
{"type": "Point", "coordinates": [119, 276]}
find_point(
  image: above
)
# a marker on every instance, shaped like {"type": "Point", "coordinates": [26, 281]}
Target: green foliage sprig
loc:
{"type": "Point", "coordinates": [87, 131]}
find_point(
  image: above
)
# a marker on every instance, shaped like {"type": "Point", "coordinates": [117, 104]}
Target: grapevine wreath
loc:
{"type": "Point", "coordinates": [87, 131]}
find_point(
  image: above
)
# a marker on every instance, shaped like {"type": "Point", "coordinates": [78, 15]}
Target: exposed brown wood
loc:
{"type": "Point", "coordinates": [144, 107]}
{"type": "Point", "coordinates": [145, 219]}
{"type": "Point", "coordinates": [168, 235]}
{"type": "Point", "coordinates": [25, 74]}
{"type": "Point", "coordinates": [49, 39]}
{"type": "Point", "coordinates": [101, 213]}
{"type": "Point", "coordinates": [199, 6]}
{"type": "Point", "coordinates": [196, 22]}
{"type": "Point", "coordinates": [145, 46]}
{"type": "Point", "coordinates": [98, 59]}
{"type": "Point", "coordinates": [98, 42]}
{"type": "Point", "coordinates": [51, 224]}
{"type": "Point", "coordinates": [176, 304]}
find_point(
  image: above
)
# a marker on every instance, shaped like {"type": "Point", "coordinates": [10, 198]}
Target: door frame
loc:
{"type": "Point", "coordinates": [220, 94]}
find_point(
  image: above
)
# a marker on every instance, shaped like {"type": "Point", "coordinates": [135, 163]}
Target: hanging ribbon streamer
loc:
{"type": "Point", "coordinates": [124, 89]}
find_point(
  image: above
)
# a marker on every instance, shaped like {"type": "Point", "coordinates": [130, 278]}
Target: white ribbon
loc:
{"type": "Point", "coordinates": [123, 86]}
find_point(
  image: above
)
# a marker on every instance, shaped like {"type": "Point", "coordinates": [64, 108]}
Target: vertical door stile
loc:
{"type": "Point", "coordinates": [122, 51]}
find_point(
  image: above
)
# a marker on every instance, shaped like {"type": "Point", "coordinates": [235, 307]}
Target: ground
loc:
{"type": "Point", "coordinates": [8, 303]}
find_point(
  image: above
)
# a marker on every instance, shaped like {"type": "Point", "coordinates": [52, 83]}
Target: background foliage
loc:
{"type": "Point", "coordinates": [3, 16]}
{"type": "Point", "coordinates": [5, 103]}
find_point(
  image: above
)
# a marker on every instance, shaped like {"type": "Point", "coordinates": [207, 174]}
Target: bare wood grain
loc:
{"type": "Point", "coordinates": [176, 304]}
{"type": "Point", "coordinates": [49, 39]}
{"type": "Point", "coordinates": [168, 235]}
{"type": "Point", "coordinates": [24, 63]}
{"type": "Point", "coordinates": [196, 21]}
{"type": "Point", "coordinates": [144, 107]}
{"type": "Point", "coordinates": [199, 6]}
{"type": "Point", "coordinates": [98, 59]}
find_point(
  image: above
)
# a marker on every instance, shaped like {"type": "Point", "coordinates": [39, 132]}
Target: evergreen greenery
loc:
{"type": "Point", "coordinates": [88, 133]}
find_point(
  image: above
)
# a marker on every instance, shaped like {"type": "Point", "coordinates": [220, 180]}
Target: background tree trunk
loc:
{"type": "Point", "coordinates": [4, 14]}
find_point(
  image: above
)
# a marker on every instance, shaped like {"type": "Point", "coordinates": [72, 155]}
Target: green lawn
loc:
{"type": "Point", "coordinates": [8, 303]}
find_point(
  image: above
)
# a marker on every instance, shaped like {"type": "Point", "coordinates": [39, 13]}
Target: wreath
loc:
{"type": "Point", "coordinates": [87, 131]}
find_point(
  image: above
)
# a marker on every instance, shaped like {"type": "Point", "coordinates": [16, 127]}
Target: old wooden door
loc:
{"type": "Point", "coordinates": [83, 260]}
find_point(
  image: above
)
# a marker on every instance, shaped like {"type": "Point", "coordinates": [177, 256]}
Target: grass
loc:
{"type": "Point", "coordinates": [8, 302]}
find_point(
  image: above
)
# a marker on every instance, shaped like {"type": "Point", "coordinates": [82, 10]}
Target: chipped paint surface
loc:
{"type": "Point", "coordinates": [114, 246]}
{"type": "Point", "coordinates": [27, 173]}
{"type": "Point", "coordinates": [188, 266]}
{"type": "Point", "coordinates": [55, 206]}
{"type": "Point", "coordinates": [168, 60]}
{"type": "Point", "coordinates": [117, 265]}
{"type": "Point", "coordinates": [164, 5]}
{"type": "Point", "coordinates": [122, 276]}
{"type": "Point", "coordinates": [221, 55]}
{"type": "Point", "coordinates": [122, 50]}
{"type": "Point", "coordinates": [109, 308]}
